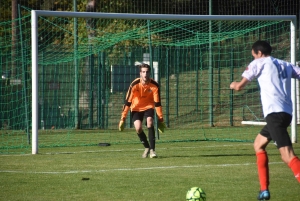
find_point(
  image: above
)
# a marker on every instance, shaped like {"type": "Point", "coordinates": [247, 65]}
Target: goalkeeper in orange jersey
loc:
{"type": "Point", "coordinates": [142, 97]}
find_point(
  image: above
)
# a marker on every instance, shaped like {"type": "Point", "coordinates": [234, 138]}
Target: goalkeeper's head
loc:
{"type": "Point", "coordinates": [143, 65]}
{"type": "Point", "coordinates": [145, 72]}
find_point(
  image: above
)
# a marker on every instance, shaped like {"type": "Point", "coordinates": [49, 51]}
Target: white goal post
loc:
{"type": "Point", "coordinates": [34, 40]}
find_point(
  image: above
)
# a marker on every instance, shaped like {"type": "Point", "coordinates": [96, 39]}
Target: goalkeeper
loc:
{"type": "Point", "coordinates": [142, 97]}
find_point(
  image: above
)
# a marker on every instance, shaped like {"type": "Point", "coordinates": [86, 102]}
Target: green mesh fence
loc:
{"type": "Point", "coordinates": [84, 77]}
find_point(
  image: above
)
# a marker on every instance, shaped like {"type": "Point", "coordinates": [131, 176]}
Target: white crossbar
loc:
{"type": "Point", "coordinates": [255, 123]}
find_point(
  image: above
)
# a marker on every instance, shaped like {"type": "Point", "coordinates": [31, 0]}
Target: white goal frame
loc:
{"type": "Point", "coordinates": [34, 40]}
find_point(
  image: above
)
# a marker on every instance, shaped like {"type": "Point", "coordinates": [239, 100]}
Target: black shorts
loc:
{"type": "Point", "coordinates": [140, 115]}
{"type": "Point", "coordinates": [276, 128]}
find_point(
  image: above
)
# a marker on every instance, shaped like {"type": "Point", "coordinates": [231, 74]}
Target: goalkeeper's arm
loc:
{"type": "Point", "coordinates": [125, 110]}
{"type": "Point", "coordinates": [161, 124]}
{"type": "Point", "coordinates": [121, 125]}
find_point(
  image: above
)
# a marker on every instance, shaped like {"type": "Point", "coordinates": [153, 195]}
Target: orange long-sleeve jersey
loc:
{"type": "Point", "coordinates": [141, 97]}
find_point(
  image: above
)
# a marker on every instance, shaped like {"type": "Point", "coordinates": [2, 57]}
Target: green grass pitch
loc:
{"type": "Point", "coordinates": [224, 170]}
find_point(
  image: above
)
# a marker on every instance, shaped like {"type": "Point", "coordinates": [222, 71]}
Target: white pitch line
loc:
{"type": "Point", "coordinates": [133, 169]}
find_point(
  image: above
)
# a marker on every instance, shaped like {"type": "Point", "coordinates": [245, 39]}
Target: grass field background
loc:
{"type": "Point", "coordinates": [16, 142]}
{"type": "Point", "coordinates": [225, 170]}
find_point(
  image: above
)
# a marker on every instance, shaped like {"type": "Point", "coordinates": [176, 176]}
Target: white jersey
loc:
{"type": "Point", "coordinates": [274, 78]}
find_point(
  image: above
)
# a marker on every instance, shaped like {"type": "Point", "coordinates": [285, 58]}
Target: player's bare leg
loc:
{"type": "Point", "coordinates": [287, 153]}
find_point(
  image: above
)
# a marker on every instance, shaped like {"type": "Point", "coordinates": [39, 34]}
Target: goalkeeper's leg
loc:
{"type": "Point", "coordinates": [137, 118]}
{"type": "Point", "coordinates": [151, 132]}
{"type": "Point", "coordinates": [142, 136]}
{"type": "Point", "coordinates": [140, 133]}
{"type": "Point", "coordinates": [145, 142]}
{"type": "Point", "coordinates": [143, 139]}
{"type": "Point", "coordinates": [151, 136]}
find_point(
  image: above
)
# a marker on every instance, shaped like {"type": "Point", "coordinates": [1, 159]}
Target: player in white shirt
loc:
{"type": "Point", "coordinates": [274, 78]}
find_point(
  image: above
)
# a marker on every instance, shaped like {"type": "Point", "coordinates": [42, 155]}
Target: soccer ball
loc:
{"type": "Point", "coordinates": [195, 194]}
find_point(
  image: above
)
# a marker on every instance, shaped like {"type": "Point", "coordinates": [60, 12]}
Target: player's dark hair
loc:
{"type": "Point", "coordinates": [262, 46]}
{"type": "Point", "coordinates": [143, 65]}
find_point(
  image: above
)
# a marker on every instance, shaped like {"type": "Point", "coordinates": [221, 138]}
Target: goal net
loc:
{"type": "Point", "coordinates": [83, 63]}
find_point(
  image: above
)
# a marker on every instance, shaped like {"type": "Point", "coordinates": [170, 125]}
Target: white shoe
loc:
{"type": "Point", "coordinates": [152, 154]}
{"type": "Point", "coordinates": [146, 153]}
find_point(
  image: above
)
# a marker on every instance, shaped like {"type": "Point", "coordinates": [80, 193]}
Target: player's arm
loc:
{"type": "Point", "coordinates": [157, 104]}
{"type": "Point", "coordinates": [158, 108]}
{"type": "Point", "coordinates": [239, 85]}
{"type": "Point", "coordinates": [126, 108]}
{"type": "Point", "coordinates": [295, 72]}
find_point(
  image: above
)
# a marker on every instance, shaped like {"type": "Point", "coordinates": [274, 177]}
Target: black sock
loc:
{"type": "Point", "coordinates": [143, 139]}
{"type": "Point", "coordinates": [151, 136]}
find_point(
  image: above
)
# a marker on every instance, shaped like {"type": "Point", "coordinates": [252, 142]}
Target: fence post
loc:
{"type": "Point", "coordinates": [91, 96]}
{"type": "Point", "coordinates": [231, 91]}
{"type": "Point", "coordinates": [167, 87]}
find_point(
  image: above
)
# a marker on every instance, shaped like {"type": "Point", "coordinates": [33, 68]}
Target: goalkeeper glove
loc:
{"type": "Point", "coordinates": [121, 125]}
{"type": "Point", "coordinates": [161, 127]}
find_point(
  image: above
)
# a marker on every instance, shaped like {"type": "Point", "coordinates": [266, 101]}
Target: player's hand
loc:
{"type": "Point", "coordinates": [121, 125]}
{"type": "Point", "coordinates": [161, 127]}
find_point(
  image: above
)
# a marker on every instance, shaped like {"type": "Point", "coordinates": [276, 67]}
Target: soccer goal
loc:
{"type": "Point", "coordinates": [197, 57]}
